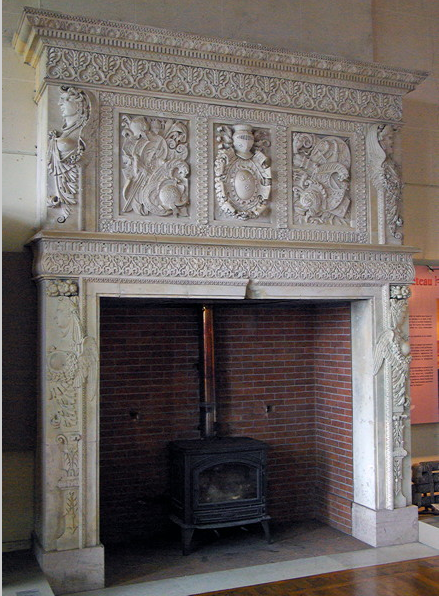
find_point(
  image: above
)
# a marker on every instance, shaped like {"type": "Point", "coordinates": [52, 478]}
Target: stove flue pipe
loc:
{"type": "Point", "coordinates": [208, 395]}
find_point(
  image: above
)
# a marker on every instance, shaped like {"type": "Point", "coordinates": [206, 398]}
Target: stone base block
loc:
{"type": "Point", "coordinates": [76, 570]}
{"type": "Point", "coordinates": [385, 527]}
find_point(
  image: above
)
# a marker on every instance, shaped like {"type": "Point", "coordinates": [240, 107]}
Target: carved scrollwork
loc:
{"type": "Point", "coordinates": [242, 172]}
{"type": "Point", "coordinates": [65, 150]}
{"type": "Point", "coordinates": [153, 162]}
{"type": "Point", "coordinates": [321, 170]}
{"type": "Point", "coordinates": [385, 175]}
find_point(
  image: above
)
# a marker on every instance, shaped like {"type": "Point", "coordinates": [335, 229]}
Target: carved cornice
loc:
{"type": "Point", "coordinates": [201, 263]}
{"type": "Point", "coordinates": [40, 27]}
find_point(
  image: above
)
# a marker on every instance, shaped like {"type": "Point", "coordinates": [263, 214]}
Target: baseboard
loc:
{"type": "Point", "coordinates": [8, 547]}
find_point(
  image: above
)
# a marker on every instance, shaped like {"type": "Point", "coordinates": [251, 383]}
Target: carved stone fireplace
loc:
{"type": "Point", "coordinates": [175, 166]}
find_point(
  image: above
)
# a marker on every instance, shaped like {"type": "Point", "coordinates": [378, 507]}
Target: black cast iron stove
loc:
{"type": "Point", "coordinates": [216, 482]}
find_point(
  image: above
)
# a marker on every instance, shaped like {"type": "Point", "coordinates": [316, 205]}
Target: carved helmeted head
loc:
{"type": "Point", "coordinates": [243, 140]}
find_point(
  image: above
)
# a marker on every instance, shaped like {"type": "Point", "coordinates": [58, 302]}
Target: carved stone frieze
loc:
{"type": "Point", "coordinates": [385, 176]}
{"type": "Point", "coordinates": [154, 166]}
{"type": "Point", "coordinates": [192, 261]}
{"type": "Point", "coordinates": [65, 150]}
{"type": "Point", "coordinates": [84, 67]}
{"type": "Point", "coordinates": [393, 351]}
{"type": "Point", "coordinates": [242, 171]}
{"type": "Point", "coordinates": [321, 174]}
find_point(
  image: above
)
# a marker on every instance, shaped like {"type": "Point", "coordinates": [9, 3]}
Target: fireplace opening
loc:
{"type": "Point", "coordinates": [283, 378]}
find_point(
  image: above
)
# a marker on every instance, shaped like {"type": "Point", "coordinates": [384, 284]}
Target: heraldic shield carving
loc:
{"type": "Point", "coordinates": [242, 171]}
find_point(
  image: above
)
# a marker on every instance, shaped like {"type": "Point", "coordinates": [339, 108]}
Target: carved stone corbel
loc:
{"type": "Point", "coordinates": [393, 350]}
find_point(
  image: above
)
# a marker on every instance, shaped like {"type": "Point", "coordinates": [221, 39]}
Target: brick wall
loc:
{"type": "Point", "coordinates": [270, 386]}
{"type": "Point", "coordinates": [333, 400]}
{"type": "Point", "coordinates": [149, 396]}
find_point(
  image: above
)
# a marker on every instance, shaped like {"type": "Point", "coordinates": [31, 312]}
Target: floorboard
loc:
{"type": "Point", "coordinates": [408, 578]}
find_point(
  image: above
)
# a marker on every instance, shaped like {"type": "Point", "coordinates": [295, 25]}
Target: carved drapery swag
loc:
{"type": "Point", "coordinates": [393, 348]}
{"type": "Point", "coordinates": [65, 150]}
{"type": "Point", "coordinates": [242, 171]}
{"type": "Point", "coordinates": [321, 176]}
{"type": "Point", "coordinates": [386, 176]}
{"type": "Point", "coordinates": [154, 166]}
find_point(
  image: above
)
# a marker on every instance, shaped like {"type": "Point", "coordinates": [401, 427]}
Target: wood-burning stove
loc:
{"type": "Point", "coordinates": [216, 482]}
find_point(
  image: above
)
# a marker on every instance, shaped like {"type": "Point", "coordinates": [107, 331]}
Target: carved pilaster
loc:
{"type": "Point", "coordinates": [393, 351]}
{"type": "Point", "coordinates": [69, 377]}
{"type": "Point", "coordinates": [385, 177]}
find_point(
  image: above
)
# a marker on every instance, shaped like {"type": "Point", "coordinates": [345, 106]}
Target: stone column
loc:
{"type": "Point", "coordinates": [68, 378]}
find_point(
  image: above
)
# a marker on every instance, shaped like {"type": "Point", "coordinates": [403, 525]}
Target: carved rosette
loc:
{"type": "Point", "coordinates": [385, 176]}
{"type": "Point", "coordinates": [65, 150]}
{"type": "Point", "coordinates": [154, 166]}
{"type": "Point", "coordinates": [321, 179]}
{"type": "Point", "coordinates": [242, 172]}
{"type": "Point", "coordinates": [393, 350]}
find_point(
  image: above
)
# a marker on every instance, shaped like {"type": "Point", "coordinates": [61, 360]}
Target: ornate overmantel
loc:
{"type": "Point", "coordinates": [173, 165]}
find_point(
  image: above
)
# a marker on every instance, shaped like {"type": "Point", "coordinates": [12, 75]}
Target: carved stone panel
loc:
{"type": "Point", "coordinates": [321, 179]}
{"type": "Point", "coordinates": [154, 166]}
{"type": "Point", "coordinates": [242, 172]}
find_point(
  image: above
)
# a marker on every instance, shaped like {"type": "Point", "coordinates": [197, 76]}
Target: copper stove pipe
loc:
{"type": "Point", "coordinates": [208, 396]}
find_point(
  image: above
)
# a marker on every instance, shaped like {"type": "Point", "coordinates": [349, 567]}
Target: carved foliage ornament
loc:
{"type": "Point", "coordinates": [321, 174]}
{"type": "Point", "coordinates": [154, 166]}
{"type": "Point", "coordinates": [65, 150]}
{"type": "Point", "coordinates": [158, 77]}
{"type": "Point", "coordinates": [242, 172]}
{"type": "Point", "coordinates": [393, 348]}
{"type": "Point", "coordinates": [385, 175]}
{"type": "Point", "coordinates": [70, 366]}
{"type": "Point", "coordinates": [69, 485]}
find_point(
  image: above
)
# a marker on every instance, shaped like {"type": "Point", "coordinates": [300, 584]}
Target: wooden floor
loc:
{"type": "Point", "coordinates": [407, 578]}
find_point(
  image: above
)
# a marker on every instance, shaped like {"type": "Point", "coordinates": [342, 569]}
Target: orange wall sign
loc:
{"type": "Point", "coordinates": [424, 335]}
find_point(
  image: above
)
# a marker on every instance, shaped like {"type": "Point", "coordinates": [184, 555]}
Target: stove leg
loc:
{"type": "Point", "coordinates": [186, 538]}
{"type": "Point", "coordinates": [266, 527]}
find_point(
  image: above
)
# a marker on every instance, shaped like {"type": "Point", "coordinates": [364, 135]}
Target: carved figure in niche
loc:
{"type": "Point", "coordinates": [242, 172]}
{"type": "Point", "coordinates": [385, 174]}
{"type": "Point", "coordinates": [66, 148]}
{"type": "Point", "coordinates": [154, 166]}
{"type": "Point", "coordinates": [68, 369]}
{"type": "Point", "coordinates": [321, 171]}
